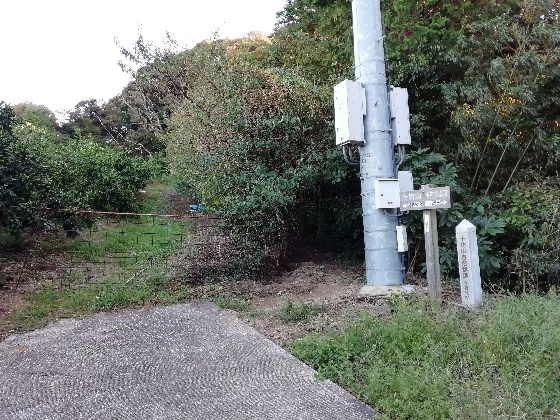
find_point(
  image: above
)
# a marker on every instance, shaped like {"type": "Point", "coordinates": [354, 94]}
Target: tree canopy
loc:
{"type": "Point", "coordinates": [247, 124]}
{"type": "Point", "coordinates": [38, 115]}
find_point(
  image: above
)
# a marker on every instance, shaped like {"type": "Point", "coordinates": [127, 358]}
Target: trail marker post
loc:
{"type": "Point", "coordinates": [431, 239]}
{"type": "Point", "coordinates": [429, 198]}
{"type": "Point", "coordinates": [469, 266]}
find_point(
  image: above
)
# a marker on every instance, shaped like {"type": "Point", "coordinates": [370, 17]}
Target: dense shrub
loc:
{"type": "Point", "coordinates": [255, 145]}
{"type": "Point", "coordinates": [532, 222]}
{"type": "Point", "coordinates": [22, 176]}
{"type": "Point", "coordinates": [41, 168]}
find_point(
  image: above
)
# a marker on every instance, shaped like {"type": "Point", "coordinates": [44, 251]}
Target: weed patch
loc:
{"type": "Point", "coordinates": [232, 302]}
{"type": "Point", "coordinates": [11, 242]}
{"type": "Point", "coordinates": [422, 362]}
{"type": "Point", "coordinates": [154, 198]}
{"type": "Point", "coordinates": [296, 311]}
{"type": "Point", "coordinates": [52, 302]}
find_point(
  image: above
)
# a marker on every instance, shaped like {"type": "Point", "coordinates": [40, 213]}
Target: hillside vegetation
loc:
{"type": "Point", "coordinates": [246, 126]}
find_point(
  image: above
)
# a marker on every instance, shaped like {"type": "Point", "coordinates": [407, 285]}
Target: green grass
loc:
{"type": "Point", "coordinates": [297, 311]}
{"type": "Point", "coordinates": [154, 199]}
{"type": "Point", "coordinates": [232, 302]}
{"type": "Point", "coordinates": [135, 241]}
{"type": "Point", "coordinates": [52, 302]}
{"type": "Point", "coordinates": [423, 362]}
{"type": "Point", "coordinates": [9, 242]}
{"type": "Point", "coordinates": [142, 238]}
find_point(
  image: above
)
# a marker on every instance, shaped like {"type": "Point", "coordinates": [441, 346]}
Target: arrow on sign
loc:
{"type": "Point", "coordinates": [435, 203]}
{"type": "Point", "coordinates": [414, 204]}
{"type": "Point", "coordinates": [431, 198]}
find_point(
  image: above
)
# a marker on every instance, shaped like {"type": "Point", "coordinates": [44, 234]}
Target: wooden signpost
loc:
{"type": "Point", "coordinates": [429, 198]}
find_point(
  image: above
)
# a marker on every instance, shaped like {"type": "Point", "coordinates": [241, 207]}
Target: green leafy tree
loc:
{"type": "Point", "coordinates": [38, 115]}
{"type": "Point", "coordinates": [504, 124]}
{"type": "Point", "coordinates": [506, 106]}
{"type": "Point", "coordinates": [6, 118]}
{"type": "Point", "coordinates": [314, 37]}
{"type": "Point", "coordinates": [254, 144]}
{"type": "Point", "coordinates": [22, 176]}
{"type": "Point", "coordinates": [86, 118]}
{"type": "Point", "coordinates": [483, 83]}
{"type": "Point", "coordinates": [42, 168]}
{"type": "Point", "coordinates": [161, 78]}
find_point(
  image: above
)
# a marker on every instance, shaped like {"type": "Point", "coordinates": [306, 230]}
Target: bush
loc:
{"type": "Point", "coordinates": [22, 176]}
{"type": "Point", "coordinates": [41, 168]}
{"type": "Point", "coordinates": [255, 146]}
{"type": "Point", "coordinates": [531, 213]}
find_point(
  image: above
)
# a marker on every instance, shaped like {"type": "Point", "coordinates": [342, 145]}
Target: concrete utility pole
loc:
{"type": "Point", "coordinates": [383, 262]}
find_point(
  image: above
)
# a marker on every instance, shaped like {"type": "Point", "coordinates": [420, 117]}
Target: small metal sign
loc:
{"type": "Point", "coordinates": [429, 198]}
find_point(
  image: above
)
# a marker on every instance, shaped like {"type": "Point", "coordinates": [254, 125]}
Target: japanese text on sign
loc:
{"type": "Point", "coordinates": [429, 198]}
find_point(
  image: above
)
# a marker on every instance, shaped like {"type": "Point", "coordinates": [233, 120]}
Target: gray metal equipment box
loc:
{"type": "Point", "coordinates": [406, 183]}
{"type": "Point", "coordinates": [387, 193]}
{"type": "Point", "coordinates": [400, 118]}
{"type": "Point", "coordinates": [402, 239]}
{"type": "Point", "coordinates": [349, 109]}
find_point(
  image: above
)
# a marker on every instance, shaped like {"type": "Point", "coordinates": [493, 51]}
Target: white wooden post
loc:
{"type": "Point", "coordinates": [469, 267]}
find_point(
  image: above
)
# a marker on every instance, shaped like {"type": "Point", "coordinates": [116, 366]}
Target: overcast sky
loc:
{"type": "Point", "coordinates": [59, 52]}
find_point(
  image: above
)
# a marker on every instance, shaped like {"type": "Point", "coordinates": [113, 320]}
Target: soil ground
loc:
{"type": "Point", "coordinates": [329, 287]}
{"type": "Point", "coordinates": [319, 281]}
{"type": "Point", "coordinates": [10, 301]}
{"type": "Point", "coordinates": [16, 267]}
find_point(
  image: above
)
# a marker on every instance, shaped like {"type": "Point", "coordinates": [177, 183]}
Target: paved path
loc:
{"type": "Point", "coordinates": [190, 361]}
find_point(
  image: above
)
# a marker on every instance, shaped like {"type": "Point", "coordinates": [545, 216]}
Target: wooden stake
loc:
{"type": "Point", "coordinates": [433, 274]}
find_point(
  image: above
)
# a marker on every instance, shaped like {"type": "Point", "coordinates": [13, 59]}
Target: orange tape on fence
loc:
{"type": "Point", "coordinates": [113, 213]}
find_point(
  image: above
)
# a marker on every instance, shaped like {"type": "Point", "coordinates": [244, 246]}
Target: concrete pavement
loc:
{"type": "Point", "coordinates": [188, 361]}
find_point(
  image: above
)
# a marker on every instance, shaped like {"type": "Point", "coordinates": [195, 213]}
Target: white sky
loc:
{"type": "Point", "coordinates": [59, 52]}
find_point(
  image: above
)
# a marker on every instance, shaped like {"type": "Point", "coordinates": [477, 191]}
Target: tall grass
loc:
{"type": "Point", "coordinates": [421, 362]}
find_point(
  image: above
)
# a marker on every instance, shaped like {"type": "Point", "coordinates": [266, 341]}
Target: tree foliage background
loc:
{"type": "Point", "coordinates": [483, 79]}
{"type": "Point", "coordinates": [42, 168]}
{"type": "Point", "coordinates": [246, 125]}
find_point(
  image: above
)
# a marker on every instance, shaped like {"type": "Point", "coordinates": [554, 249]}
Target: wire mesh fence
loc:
{"type": "Point", "coordinates": [120, 248]}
